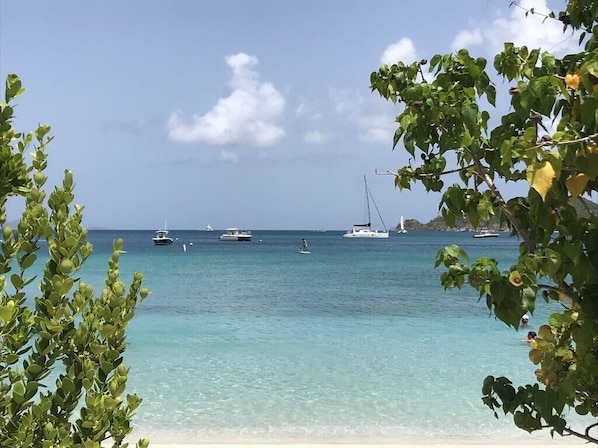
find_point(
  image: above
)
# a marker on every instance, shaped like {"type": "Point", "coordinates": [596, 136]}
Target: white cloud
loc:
{"type": "Point", "coordinates": [306, 110]}
{"type": "Point", "coordinates": [364, 116]}
{"type": "Point", "coordinates": [403, 50]}
{"type": "Point", "coordinates": [315, 138]}
{"type": "Point", "coordinates": [468, 39]}
{"type": "Point", "coordinates": [250, 115]}
{"type": "Point", "coordinates": [346, 101]}
{"type": "Point", "coordinates": [376, 128]}
{"type": "Point", "coordinates": [531, 30]}
{"type": "Point", "coordinates": [301, 109]}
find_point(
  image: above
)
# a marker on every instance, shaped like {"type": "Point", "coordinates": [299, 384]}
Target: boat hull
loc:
{"type": "Point", "coordinates": [365, 234]}
{"type": "Point", "coordinates": [162, 238]}
{"type": "Point", "coordinates": [234, 237]}
{"type": "Point", "coordinates": [162, 241]}
{"type": "Point", "coordinates": [234, 234]}
{"type": "Point", "coordinates": [485, 234]}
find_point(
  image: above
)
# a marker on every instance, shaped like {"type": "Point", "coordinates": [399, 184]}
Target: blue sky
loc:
{"type": "Point", "coordinates": [251, 114]}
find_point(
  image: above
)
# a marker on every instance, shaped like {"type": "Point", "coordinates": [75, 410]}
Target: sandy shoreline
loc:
{"type": "Point", "coordinates": [523, 440]}
{"type": "Point", "coordinates": [526, 441]}
{"type": "Point", "coordinates": [558, 444]}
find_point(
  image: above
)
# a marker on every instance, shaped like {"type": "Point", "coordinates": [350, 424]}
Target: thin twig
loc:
{"type": "Point", "coordinates": [568, 142]}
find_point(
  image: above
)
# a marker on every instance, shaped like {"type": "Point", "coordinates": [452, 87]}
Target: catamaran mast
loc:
{"type": "Point", "coordinates": [369, 193]}
{"type": "Point", "coordinates": [367, 201]}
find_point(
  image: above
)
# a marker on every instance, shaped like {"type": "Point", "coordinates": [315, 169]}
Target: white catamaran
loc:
{"type": "Point", "coordinates": [402, 227]}
{"type": "Point", "coordinates": [365, 230]}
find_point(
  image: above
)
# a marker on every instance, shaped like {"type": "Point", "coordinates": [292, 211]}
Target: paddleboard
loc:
{"type": "Point", "coordinates": [303, 252]}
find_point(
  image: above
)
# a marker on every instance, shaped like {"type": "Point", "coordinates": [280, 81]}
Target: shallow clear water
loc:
{"type": "Point", "coordinates": [356, 342]}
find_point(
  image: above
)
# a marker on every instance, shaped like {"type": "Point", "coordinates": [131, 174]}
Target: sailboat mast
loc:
{"type": "Point", "coordinates": [367, 200]}
{"type": "Point", "coordinates": [369, 193]}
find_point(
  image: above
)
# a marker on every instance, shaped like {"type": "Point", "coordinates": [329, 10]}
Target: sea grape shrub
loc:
{"type": "Point", "coordinates": [62, 376]}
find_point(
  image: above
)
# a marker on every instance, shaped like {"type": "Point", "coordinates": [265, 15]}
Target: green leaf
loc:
{"type": "Point", "coordinates": [553, 261]}
{"type": "Point", "coordinates": [28, 261]}
{"type": "Point", "coordinates": [16, 281]}
{"type": "Point", "coordinates": [453, 250]}
{"type": "Point", "coordinates": [7, 313]}
{"type": "Point", "coordinates": [573, 250]}
{"type": "Point", "coordinates": [68, 385]}
{"type": "Point", "coordinates": [589, 165]}
{"type": "Point", "coordinates": [18, 392]}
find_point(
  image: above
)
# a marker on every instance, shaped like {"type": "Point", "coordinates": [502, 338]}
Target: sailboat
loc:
{"type": "Point", "coordinates": [402, 226]}
{"type": "Point", "coordinates": [365, 230]}
{"type": "Point", "coordinates": [209, 228]}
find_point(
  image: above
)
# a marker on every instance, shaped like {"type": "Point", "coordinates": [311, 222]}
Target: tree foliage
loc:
{"type": "Point", "coordinates": [444, 122]}
{"type": "Point", "coordinates": [62, 377]}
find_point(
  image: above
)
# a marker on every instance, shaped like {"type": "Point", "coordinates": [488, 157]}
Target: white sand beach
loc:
{"type": "Point", "coordinates": [555, 443]}
{"type": "Point", "coordinates": [512, 439]}
{"type": "Point", "coordinates": [525, 441]}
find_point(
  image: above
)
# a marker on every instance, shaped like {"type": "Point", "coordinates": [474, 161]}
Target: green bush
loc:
{"type": "Point", "coordinates": [62, 377]}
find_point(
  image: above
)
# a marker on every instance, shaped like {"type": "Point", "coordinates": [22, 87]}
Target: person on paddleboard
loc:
{"type": "Point", "coordinates": [304, 245]}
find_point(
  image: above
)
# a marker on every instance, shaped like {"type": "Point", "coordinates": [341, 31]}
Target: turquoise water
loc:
{"type": "Point", "coordinates": [357, 342]}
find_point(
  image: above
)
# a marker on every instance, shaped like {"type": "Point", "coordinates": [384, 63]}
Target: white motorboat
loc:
{"type": "Point", "coordinates": [234, 234]}
{"type": "Point", "coordinates": [162, 238]}
{"type": "Point", "coordinates": [365, 230]}
{"type": "Point", "coordinates": [485, 234]}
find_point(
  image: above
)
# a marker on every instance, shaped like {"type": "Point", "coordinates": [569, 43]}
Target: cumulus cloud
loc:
{"type": "Point", "coordinates": [468, 39]}
{"type": "Point", "coordinates": [249, 115]}
{"type": "Point", "coordinates": [403, 50]}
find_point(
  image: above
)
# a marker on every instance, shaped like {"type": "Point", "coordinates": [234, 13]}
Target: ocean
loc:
{"type": "Point", "coordinates": [356, 342]}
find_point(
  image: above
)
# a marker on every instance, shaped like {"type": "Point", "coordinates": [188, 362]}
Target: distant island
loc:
{"type": "Point", "coordinates": [438, 225]}
{"type": "Point", "coordinates": [583, 206]}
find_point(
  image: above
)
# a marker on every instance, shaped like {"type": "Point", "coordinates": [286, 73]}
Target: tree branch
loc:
{"type": "Point", "coordinates": [585, 436]}
{"type": "Point", "coordinates": [481, 171]}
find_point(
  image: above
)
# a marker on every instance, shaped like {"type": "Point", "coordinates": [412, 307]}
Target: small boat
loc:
{"type": "Point", "coordinates": [365, 230]}
{"type": "Point", "coordinates": [485, 234]}
{"type": "Point", "coordinates": [234, 234]}
{"type": "Point", "coordinates": [162, 238]}
{"type": "Point", "coordinates": [402, 227]}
